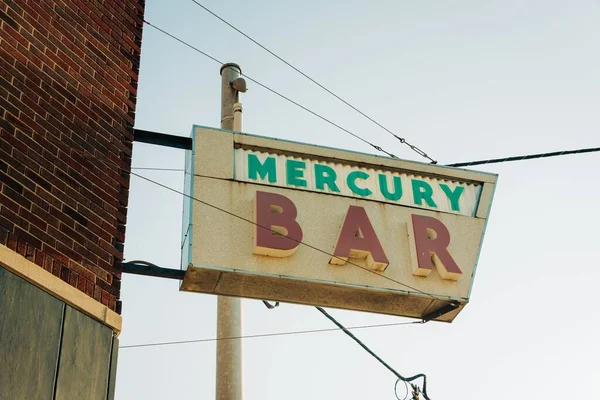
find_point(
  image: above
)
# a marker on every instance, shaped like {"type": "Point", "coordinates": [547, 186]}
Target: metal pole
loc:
{"type": "Point", "coordinates": [237, 117]}
{"type": "Point", "coordinates": [229, 309]}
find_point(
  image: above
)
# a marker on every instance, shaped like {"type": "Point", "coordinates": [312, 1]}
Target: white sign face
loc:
{"type": "Point", "coordinates": [292, 222]}
{"type": "Point", "coordinates": [344, 179]}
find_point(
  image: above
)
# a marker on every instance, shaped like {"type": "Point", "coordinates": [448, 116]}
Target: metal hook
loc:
{"type": "Point", "coordinates": [271, 306]}
{"type": "Point", "coordinates": [396, 389]}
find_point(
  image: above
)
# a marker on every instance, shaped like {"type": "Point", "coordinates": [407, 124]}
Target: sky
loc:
{"type": "Point", "coordinates": [462, 80]}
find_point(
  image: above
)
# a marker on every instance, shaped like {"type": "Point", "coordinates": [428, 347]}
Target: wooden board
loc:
{"type": "Point", "coordinates": [30, 328]}
{"type": "Point", "coordinates": [85, 358]}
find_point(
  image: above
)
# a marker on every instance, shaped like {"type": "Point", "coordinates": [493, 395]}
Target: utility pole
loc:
{"type": "Point", "coordinates": [229, 309]}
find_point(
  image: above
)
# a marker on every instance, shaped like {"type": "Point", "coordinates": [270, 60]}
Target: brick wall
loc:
{"type": "Point", "coordinates": [68, 85]}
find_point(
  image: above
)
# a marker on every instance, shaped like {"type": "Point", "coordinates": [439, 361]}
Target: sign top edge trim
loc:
{"type": "Point", "coordinates": [481, 176]}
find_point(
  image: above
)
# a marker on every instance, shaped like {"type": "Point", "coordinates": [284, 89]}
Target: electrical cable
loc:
{"type": "Point", "coordinates": [159, 169]}
{"type": "Point", "coordinates": [526, 157]}
{"type": "Point", "coordinates": [401, 139]}
{"type": "Point", "coordinates": [466, 163]}
{"type": "Point", "coordinates": [372, 353]}
{"type": "Point", "coordinates": [290, 238]}
{"type": "Point", "coordinates": [326, 314]}
{"type": "Point", "coordinates": [376, 147]}
{"type": "Point", "coordinates": [270, 335]}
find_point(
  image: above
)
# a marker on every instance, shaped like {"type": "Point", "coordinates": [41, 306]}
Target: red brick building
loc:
{"type": "Point", "coordinates": [68, 86]}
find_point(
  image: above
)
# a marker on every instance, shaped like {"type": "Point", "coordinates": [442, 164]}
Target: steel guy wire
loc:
{"type": "Point", "coordinates": [526, 157]}
{"type": "Point", "coordinates": [401, 139]}
{"type": "Point", "coordinates": [372, 353]}
{"type": "Point", "coordinates": [434, 297]}
{"type": "Point", "coordinates": [467, 163]}
{"type": "Point", "coordinates": [259, 335]}
{"type": "Point", "coordinates": [376, 147]}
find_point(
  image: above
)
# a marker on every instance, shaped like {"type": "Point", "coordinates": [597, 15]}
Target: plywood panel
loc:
{"type": "Point", "coordinates": [30, 326]}
{"type": "Point", "coordinates": [112, 378]}
{"type": "Point", "coordinates": [85, 358]}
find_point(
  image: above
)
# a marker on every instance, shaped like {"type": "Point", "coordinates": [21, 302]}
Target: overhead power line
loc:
{"type": "Point", "coordinates": [321, 310]}
{"type": "Point", "coordinates": [291, 238]}
{"type": "Point", "coordinates": [159, 169]}
{"type": "Point", "coordinates": [376, 147]}
{"type": "Point", "coordinates": [401, 139]}
{"type": "Point", "coordinates": [527, 157]}
{"type": "Point", "coordinates": [466, 163]}
{"type": "Point", "coordinates": [260, 335]}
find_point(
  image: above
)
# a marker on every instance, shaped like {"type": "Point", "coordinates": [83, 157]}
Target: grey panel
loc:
{"type": "Point", "coordinates": [30, 326]}
{"type": "Point", "coordinates": [112, 379]}
{"type": "Point", "coordinates": [85, 358]}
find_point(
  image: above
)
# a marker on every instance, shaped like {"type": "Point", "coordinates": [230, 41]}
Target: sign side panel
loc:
{"type": "Point", "coordinates": [188, 206]}
{"type": "Point", "coordinates": [486, 208]}
{"type": "Point", "coordinates": [213, 161]}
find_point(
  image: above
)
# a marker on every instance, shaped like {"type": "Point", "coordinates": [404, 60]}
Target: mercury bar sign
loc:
{"type": "Point", "coordinates": [322, 226]}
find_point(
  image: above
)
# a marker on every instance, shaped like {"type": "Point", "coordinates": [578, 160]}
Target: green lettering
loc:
{"type": "Point", "coordinates": [264, 170]}
{"type": "Point", "coordinates": [351, 181]}
{"type": "Point", "coordinates": [383, 187]}
{"type": "Point", "coordinates": [325, 175]}
{"type": "Point", "coordinates": [295, 172]}
{"type": "Point", "coordinates": [422, 191]}
{"type": "Point", "coordinates": [454, 197]}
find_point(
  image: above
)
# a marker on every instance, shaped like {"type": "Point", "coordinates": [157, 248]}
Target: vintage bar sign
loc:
{"type": "Point", "coordinates": [322, 226]}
